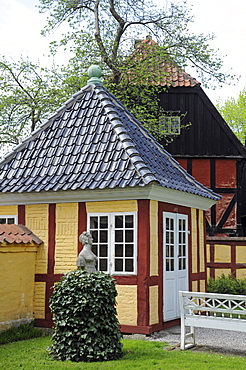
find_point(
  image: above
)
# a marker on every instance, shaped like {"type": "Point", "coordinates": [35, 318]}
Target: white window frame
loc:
{"type": "Point", "coordinates": [15, 217]}
{"type": "Point", "coordinates": [170, 125]}
{"type": "Point", "coordinates": [111, 240]}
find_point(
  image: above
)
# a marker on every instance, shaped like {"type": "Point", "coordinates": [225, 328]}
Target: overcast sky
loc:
{"type": "Point", "coordinates": [20, 25]}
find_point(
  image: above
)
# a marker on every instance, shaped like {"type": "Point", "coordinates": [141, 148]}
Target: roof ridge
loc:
{"type": "Point", "coordinates": [133, 154]}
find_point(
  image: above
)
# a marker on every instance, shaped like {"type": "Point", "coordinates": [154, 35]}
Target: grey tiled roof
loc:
{"type": "Point", "coordinates": [93, 142]}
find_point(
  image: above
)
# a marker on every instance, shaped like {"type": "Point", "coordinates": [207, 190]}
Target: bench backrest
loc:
{"type": "Point", "coordinates": [212, 304]}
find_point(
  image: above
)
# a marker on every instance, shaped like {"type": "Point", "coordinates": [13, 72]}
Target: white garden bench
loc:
{"type": "Point", "coordinates": [210, 310]}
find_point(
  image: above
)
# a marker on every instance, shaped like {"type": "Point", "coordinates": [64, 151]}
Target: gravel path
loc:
{"type": "Point", "coordinates": [222, 341]}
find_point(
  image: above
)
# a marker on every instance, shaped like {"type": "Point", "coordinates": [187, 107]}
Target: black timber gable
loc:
{"type": "Point", "coordinates": [208, 134]}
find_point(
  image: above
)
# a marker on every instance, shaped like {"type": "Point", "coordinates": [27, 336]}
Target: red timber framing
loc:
{"type": "Point", "coordinates": [233, 265]}
{"type": "Point", "coordinates": [50, 278]}
{"type": "Point", "coordinates": [221, 175]}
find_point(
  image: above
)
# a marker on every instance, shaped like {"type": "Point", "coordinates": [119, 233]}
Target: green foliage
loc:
{"type": "Point", "coordinates": [234, 112]}
{"type": "Point", "coordinates": [104, 31]}
{"type": "Point", "coordinates": [85, 324]}
{"type": "Point", "coordinates": [227, 285]}
{"type": "Point", "coordinates": [21, 332]}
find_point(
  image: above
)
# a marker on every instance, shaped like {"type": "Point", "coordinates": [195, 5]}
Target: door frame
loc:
{"type": "Point", "coordinates": [175, 279]}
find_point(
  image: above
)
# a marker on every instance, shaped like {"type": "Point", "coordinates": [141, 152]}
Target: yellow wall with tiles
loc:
{"type": "Point", "coordinates": [127, 304]}
{"type": "Point", "coordinates": [194, 240]}
{"type": "Point", "coordinates": [66, 250]}
{"type": "Point", "coordinates": [112, 206]}
{"type": "Point", "coordinates": [17, 269]}
{"type": "Point", "coordinates": [37, 221]}
{"type": "Point", "coordinates": [8, 210]}
{"type": "Point", "coordinates": [222, 253]}
{"type": "Point", "coordinates": [39, 300]}
{"type": "Point", "coordinates": [153, 238]}
{"type": "Point", "coordinates": [153, 303]}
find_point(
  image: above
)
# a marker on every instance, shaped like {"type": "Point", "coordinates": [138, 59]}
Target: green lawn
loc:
{"type": "Point", "coordinates": [32, 354]}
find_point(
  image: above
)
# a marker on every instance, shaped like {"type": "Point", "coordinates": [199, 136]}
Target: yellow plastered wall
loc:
{"type": "Point", "coordinates": [39, 300]}
{"type": "Point", "coordinates": [37, 218]}
{"type": "Point", "coordinates": [112, 206]}
{"type": "Point", "coordinates": [241, 274]}
{"type": "Point", "coordinates": [202, 286]}
{"type": "Point", "coordinates": [66, 251]}
{"type": "Point", "coordinates": [153, 305]}
{"type": "Point", "coordinates": [17, 269]}
{"type": "Point", "coordinates": [240, 254]}
{"type": "Point", "coordinates": [194, 286]}
{"type": "Point", "coordinates": [222, 253]}
{"type": "Point", "coordinates": [219, 272]}
{"type": "Point", "coordinates": [8, 210]}
{"type": "Point", "coordinates": [201, 241]}
{"type": "Point", "coordinates": [153, 238]}
{"type": "Point", "coordinates": [127, 304]}
{"type": "Point", "coordinates": [194, 240]}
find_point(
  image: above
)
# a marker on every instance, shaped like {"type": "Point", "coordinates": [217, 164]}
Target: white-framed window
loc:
{"type": "Point", "coordinates": [170, 125]}
{"type": "Point", "coordinates": [8, 219]}
{"type": "Point", "coordinates": [114, 241]}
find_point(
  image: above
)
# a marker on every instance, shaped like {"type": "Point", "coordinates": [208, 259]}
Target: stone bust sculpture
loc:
{"type": "Point", "coordinates": [86, 259]}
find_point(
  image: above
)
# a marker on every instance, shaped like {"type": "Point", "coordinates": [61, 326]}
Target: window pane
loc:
{"type": "Point", "coordinates": [118, 250]}
{"type": "Point", "coordinates": [103, 264]}
{"type": "Point", "coordinates": [94, 249]}
{"type": "Point", "coordinates": [129, 235]}
{"type": "Point", "coordinates": [118, 222]}
{"type": "Point", "coordinates": [167, 251]}
{"type": "Point", "coordinates": [119, 235]}
{"type": "Point", "coordinates": [10, 220]}
{"type": "Point", "coordinates": [94, 235]}
{"type": "Point", "coordinates": [129, 265]}
{"type": "Point", "coordinates": [129, 222]}
{"type": "Point", "coordinates": [3, 220]}
{"type": "Point", "coordinates": [129, 250]}
{"type": "Point", "coordinates": [118, 264]}
{"type": "Point", "coordinates": [103, 222]}
{"type": "Point", "coordinates": [103, 236]}
{"type": "Point", "coordinates": [103, 250]}
{"type": "Point", "coordinates": [172, 251]}
{"type": "Point", "coordinates": [94, 222]}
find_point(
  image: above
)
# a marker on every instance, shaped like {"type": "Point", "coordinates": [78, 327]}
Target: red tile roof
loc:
{"type": "Point", "coordinates": [170, 74]}
{"type": "Point", "coordinates": [17, 234]}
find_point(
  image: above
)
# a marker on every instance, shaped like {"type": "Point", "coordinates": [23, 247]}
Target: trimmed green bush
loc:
{"type": "Point", "coordinates": [86, 327]}
{"type": "Point", "coordinates": [227, 285]}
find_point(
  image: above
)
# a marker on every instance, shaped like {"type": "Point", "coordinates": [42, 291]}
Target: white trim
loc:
{"type": "Point", "coordinates": [151, 191]}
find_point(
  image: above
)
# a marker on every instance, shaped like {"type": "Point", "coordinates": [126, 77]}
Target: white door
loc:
{"type": "Point", "coordinates": [175, 248]}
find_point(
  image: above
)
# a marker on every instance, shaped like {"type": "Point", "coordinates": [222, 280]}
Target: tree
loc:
{"type": "Point", "coordinates": [105, 29]}
{"type": "Point", "coordinates": [107, 32]}
{"type": "Point", "coordinates": [234, 112]}
{"type": "Point", "coordinates": [29, 94]}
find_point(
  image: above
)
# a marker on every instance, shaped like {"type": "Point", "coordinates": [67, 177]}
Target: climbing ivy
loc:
{"type": "Point", "coordinates": [86, 327]}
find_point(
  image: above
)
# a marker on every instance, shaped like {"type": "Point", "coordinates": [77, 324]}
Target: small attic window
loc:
{"type": "Point", "coordinates": [10, 219]}
{"type": "Point", "coordinates": [169, 123]}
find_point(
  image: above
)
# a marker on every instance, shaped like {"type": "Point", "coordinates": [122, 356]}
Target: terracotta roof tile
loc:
{"type": "Point", "coordinates": [17, 234]}
{"type": "Point", "coordinates": [165, 73]}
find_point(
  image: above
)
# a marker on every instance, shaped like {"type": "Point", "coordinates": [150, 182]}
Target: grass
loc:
{"type": "Point", "coordinates": [144, 355]}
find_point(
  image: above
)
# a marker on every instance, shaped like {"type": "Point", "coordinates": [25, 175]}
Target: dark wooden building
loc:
{"type": "Point", "coordinates": [208, 149]}
{"type": "Point", "coordinates": [198, 137]}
